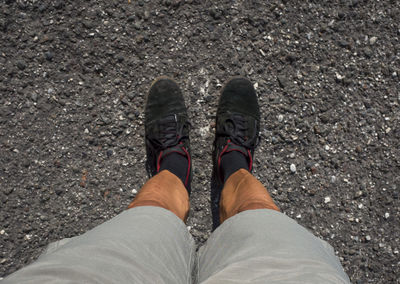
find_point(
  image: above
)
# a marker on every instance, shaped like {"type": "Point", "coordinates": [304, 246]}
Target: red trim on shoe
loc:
{"type": "Point", "coordinates": [224, 151]}
{"type": "Point", "coordinates": [220, 157]}
{"type": "Point", "coordinates": [159, 161]}
{"type": "Point", "coordinates": [233, 150]}
{"type": "Point", "coordinates": [251, 160]}
{"type": "Point", "coordinates": [188, 171]}
{"type": "Point", "coordinates": [180, 153]}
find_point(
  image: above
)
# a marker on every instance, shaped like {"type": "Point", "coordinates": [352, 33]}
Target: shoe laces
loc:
{"type": "Point", "coordinates": [237, 127]}
{"type": "Point", "coordinates": [171, 133]}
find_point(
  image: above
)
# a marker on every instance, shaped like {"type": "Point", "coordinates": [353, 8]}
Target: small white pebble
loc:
{"type": "Point", "coordinates": [387, 215]}
{"type": "Point", "coordinates": [86, 131]}
{"type": "Point", "coordinates": [368, 238]}
{"type": "Point", "coordinates": [327, 199]}
{"type": "Point", "coordinates": [339, 77]}
{"type": "Point", "coordinates": [2, 232]}
{"type": "Point", "coordinates": [204, 131]}
{"type": "Point", "coordinates": [292, 155]}
{"type": "Point", "coordinates": [255, 85]}
{"type": "Point", "coordinates": [134, 191]}
{"type": "Point", "coordinates": [298, 216]}
{"type": "Point", "coordinates": [360, 206]}
{"type": "Point", "coordinates": [189, 228]}
{"type": "Point", "coordinates": [396, 251]}
{"type": "Point", "coordinates": [327, 147]}
{"type": "Point", "coordinates": [293, 168]}
{"type": "Point", "coordinates": [280, 118]}
{"type": "Point", "coordinates": [373, 40]}
{"type": "Point", "coordinates": [333, 179]}
{"type": "Point", "coordinates": [27, 237]}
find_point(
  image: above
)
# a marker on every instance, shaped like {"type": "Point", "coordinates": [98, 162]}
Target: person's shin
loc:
{"type": "Point", "coordinates": [164, 190]}
{"type": "Point", "coordinates": [241, 192]}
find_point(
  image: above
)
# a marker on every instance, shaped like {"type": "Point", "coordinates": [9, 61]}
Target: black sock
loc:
{"type": "Point", "coordinates": [176, 164]}
{"type": "Point", "coordinates": [231, 162]}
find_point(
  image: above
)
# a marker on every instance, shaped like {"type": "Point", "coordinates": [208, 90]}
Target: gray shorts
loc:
{"type": "Point", "coordinates": [152, 245]}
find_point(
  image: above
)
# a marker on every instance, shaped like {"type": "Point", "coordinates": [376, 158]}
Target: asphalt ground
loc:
{"type": "Point", "coordinates": [73, 80]}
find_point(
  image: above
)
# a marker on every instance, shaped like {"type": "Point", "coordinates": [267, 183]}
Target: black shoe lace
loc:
{"type": "Point", "coordinates": [169, 135]}
{"type": "Point", "coordinates": [237, 128]}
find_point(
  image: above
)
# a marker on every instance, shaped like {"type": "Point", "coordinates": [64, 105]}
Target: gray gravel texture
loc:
{"type": "Point", "coordinates": [73, 79]}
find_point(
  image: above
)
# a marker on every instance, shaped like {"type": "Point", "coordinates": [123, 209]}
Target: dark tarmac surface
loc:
{"type": "Point", "coordinates": [73, 78]}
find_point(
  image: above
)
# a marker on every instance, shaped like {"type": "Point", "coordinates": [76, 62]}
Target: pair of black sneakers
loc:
{"type": "Point", "coordinates": [167, 128]}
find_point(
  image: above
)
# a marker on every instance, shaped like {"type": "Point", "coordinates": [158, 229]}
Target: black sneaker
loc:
{"type": "Point", "coordinates": [238, 122]}
{"type": "Point", "coordinates": [166, 126]}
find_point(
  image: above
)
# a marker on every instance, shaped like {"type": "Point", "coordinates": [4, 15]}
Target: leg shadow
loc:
{"type": "Point", "coordinates": [216, 188]}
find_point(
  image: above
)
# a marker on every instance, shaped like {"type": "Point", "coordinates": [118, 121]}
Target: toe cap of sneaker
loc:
{"type": "Point", "coordinates": [164, 98]}
{"type": "Point", "coordinates": [239, 96]}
